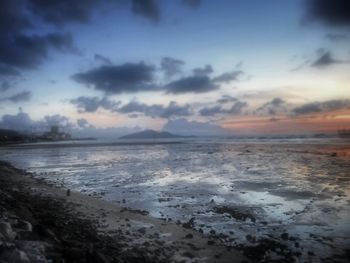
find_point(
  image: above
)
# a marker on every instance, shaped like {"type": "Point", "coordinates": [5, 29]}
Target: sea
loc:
{"type": "Point", "coordinates": [244, 191]}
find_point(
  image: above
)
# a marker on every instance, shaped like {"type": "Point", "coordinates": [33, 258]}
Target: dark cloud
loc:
{"type": "Point", "coordinates": [325, 106]}
{"type": "Point", "coordinates": [304, 64]}
{"type": "Point", "coordinates": [308, 108]}
{"type": "Point", "coordinates": [5, 86]}
{"type": "Point", "coordinates": [228, 76]}
{"type": "Point", "coordinates": [192, 3]}
{"type": "Point", "coordinates": [277, 102]}
{"type": "Point", "coordinates": [273, 106]}
{"type": "Point", "coordinates": [135, 106]}
{"type": "Point", "coordinates": [19, 97]}
{"type": "Point", "coordinates": [326, 59]}
{"type": "Point", "coordinates": [274, 119]}
{"type": "Point", "coordinates": [61, 42]}
{"type": "Point", "coordinates": [235, 109]}
{"type": "Point", "coordinates": [146, 8]}
{"type": "Point", "coordinates": [330, 12]}
{"type": "Point", "coordinates": [82, 123]}
{"type": "Point", "coordinates": [156, 110]}
{"type": "Point", "coordinates": [92, 104]}
{"type": "Point", "coordinates": [20, 49]}
{"type": "Point", "coordinates": [206, 70]}
{"type": "Point", "coordinates": [125, 78]}
{"type": "Point", "coordinates": [195, 84]}
{"type": "Point", "coordinates": [239, 65]}
{"type": "Point", "coordinates": [60, 12]}
{"type": "Point", "coordinates": [7, 70]}
{"type": "Point", "coordinates": [13, 18]}
{"type": "Point", "coordinates": [57, 120]}
{"type": "Point", "coordinates": [102, 59]}
{"type": "Point", "coordinates": [27, 52]}
{"type": "Point", "coordinates": [174, 109]}
{"type": "Point", "coordinates": [133, 115]}
{"type": "Point", "coordinates": [337, 37]}
{"type": "Point", "coordinates": [141, 77]}
{"type": "Point", "coordinates": [20, 121]}
{"type": "Point", "coordinates": [171, 66]}
{"type": "Point", "coordinates": [226, 99]}
{"type": "Point", "coordinates": [183, 126]}
{"type": "Point", "coordinates": [210, 111]}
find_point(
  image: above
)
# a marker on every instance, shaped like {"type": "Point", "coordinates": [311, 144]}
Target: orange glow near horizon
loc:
{"type": "Point", "coordinates": [313, 123]}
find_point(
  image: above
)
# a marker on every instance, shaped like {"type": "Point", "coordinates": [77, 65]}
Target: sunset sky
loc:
{"type": "Point", "coordinates": [240, 67]}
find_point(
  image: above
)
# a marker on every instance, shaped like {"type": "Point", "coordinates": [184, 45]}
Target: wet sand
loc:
{"type": "Point", "coordinates": [40, 222]}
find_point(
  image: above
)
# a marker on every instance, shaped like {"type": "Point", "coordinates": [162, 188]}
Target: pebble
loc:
{"type": "Point", "coordinates": [189, 236]}
{"type": "Point", "coordinates": [284, 236]}
{"type": "Point", "coordinates": [15, 255]}
{"type": "Point", "coordinates": [6, 231]}
{"type": "Point", "coordinates": [24, 225]}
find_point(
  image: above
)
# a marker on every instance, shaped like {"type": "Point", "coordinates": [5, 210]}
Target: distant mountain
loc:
{"type": "Point", "coordinates": [183, 126]}
{"type": "Point", "coordinates": [151, 134]}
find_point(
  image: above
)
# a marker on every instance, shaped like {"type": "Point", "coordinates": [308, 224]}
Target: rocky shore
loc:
{"type": "Point", "coordinates": [43, 223]}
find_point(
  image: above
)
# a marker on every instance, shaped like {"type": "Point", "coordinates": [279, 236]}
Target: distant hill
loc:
{"type": "Point", "coordinates": [151, 134]}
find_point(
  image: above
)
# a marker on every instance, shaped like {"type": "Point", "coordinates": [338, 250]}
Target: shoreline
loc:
{"type": "Point", "coordinates": [44, 222]}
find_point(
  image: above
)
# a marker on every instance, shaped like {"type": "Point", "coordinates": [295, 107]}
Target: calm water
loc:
{"type": "Point", "coordinates": [293, 186]}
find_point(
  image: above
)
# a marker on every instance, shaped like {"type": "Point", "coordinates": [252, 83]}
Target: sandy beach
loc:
{"type": "Point", "coordinates": [42, 223]}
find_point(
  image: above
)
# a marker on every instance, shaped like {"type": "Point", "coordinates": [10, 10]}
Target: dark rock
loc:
{"type": "Point", "coordinates": [35, 250]}
{"type": "Point", "coordinates": [136, 211]}
{"type": "Point", "coordinates": [259, 251]}
{"type": "Point", "coordinates": [6, 231]}
{"type": "Point", "coordinates": [189, 224]}
{"type": "Point", "coordinates": [239, 213]}
{"type": "Point", "coordinates": [189, 236]}
{"type": "Point", "coordinates": [250, 238]}
{"type": "Point", "coordinates": [284, 236]}
{"type": "Point", "coordinates": [142, 230]}
{"type": "Point", "coordinates": [14, 255]}
{"type": "Point", "coordinates": [187, 254]}
{"type": "Point", "coordinates": [24, 225]}
{"type": "Point", "coordinates": [218, 255]}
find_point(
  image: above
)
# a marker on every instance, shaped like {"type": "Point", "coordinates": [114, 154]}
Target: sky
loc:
{"type": "Point", "coordinates": [107, 67]}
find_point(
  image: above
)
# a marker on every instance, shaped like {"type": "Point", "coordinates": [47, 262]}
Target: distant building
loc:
{"type": "Point", "coordinates": [55, 135]}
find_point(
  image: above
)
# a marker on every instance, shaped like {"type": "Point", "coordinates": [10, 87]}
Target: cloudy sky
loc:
{"type": "Point", "coordinates": [242, 67]}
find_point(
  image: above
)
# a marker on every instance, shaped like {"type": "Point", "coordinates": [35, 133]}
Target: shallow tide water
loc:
{"type": "Point", "coordinates": [296, 193]}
